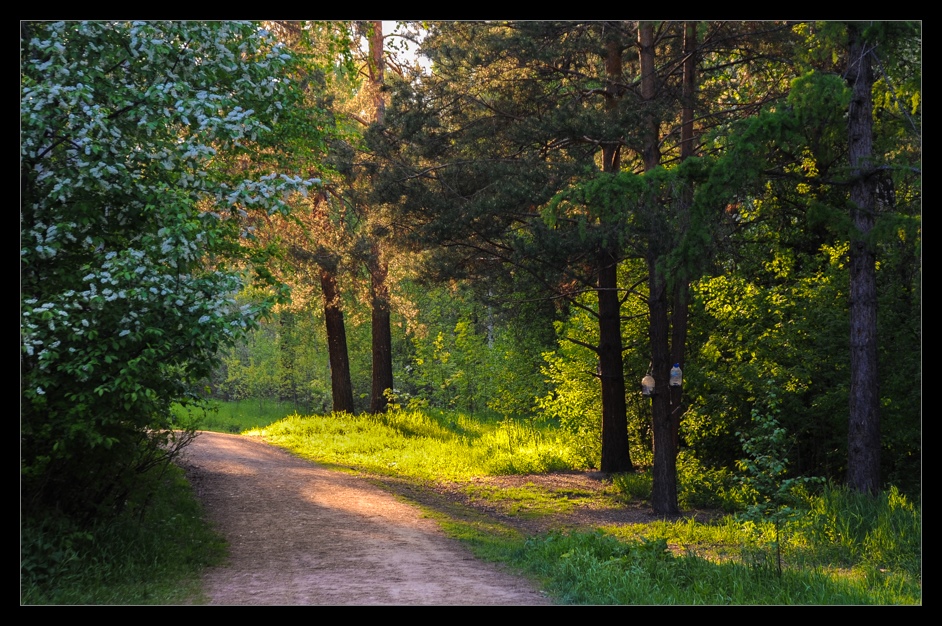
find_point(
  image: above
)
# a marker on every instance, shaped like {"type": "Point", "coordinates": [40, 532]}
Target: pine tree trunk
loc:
{"type": "Point", "coordinates": [382, 337]}
{"type": "Point", "coordinates": [681, 294]}
{"type": "Point", "coordinates": [378, 268]}
{"type": "Point", "coordinates": [340, 385]}
{"type": "Point", "coordinates": [616, 456]}
{"type": "Point", "coordinates": [664, 487]}
{"type": "Point", "coordinates": [615, 453]}
{"type": "Point", "coordinates": [678, 321]}
{"type": "Point", "coordinates": [863, 440]}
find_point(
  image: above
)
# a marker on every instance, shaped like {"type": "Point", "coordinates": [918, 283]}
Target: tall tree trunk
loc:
{"type": "Point", "coordinates": [863, 440]}
{"type": "Point", "coordinates": [681, 293]}
{"type": "Point", "coordinates": [650, 152]}
{"type": "Point", "coordinates": [664, 487]}
{"type": "Point", "coordinates": [382, 335]}
{"type": "Point", "coordinates": [340, 385]}
{"type": "Point", "coordinates": [616, 456]}
{"type": "Point", "coordinates": [615, 453]}
{"type": "Point", "coordinates": [377, 266]}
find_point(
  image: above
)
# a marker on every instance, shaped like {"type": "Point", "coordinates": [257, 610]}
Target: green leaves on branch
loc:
{"type": "Point", "coordinates": [135, 233]}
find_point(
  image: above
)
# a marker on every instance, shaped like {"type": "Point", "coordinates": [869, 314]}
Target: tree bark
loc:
{"type": "Point", "coordinates": [863, 440]}
{"type": "Point", "coordinates": [650, 153]}
{"type": "Point", "coordinates": [340, 384]}
{"type": "Point", "coordinates": [664, 487]}
{"type": "Point", "coordinates": [681, 294]}
{"type": "Point", "coordinates": [381, 335]}
{"type": "Point", "coordinates": [615, 454]}
{"type": "Point", "coordinates": [377, 266]}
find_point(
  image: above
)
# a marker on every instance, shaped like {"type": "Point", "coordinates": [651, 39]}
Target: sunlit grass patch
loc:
{"type": "Point", "coordinates": [526, 501]}
{"type": "Point", "coordinates": [235, 416]}
{"type": "Point", "coordinates": [429, 445]}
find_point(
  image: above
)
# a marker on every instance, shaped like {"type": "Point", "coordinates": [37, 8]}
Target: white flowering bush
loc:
{"type": "Point", "coordinates": [135, 221]}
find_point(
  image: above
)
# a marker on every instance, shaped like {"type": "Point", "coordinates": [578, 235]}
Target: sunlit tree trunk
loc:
{"type": "Point", "coordinates": [340, 384]}
{"type": "Point", "coordinates": [377, 265]}
{"type": "Point", "coordinates": [381, 334]}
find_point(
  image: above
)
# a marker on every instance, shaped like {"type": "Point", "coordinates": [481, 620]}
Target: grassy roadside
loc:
{"type": "Point", "coordinates": [845, 549]}
{"type": "Point", "coordinates": [465, 472]}
{"type": "Point", "coordinates": [682, 562]}
{"type": "Point", "coordinates": [150, 559]}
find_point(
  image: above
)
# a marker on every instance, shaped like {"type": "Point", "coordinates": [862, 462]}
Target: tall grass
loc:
{"type": "Point", "coordinates": [425, 444]}
{"type": "Point", "coordinates": [853, 528]}
{"type": "Point", "coordinates": [847, 548]}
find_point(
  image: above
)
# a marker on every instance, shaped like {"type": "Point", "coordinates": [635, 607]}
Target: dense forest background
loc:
{"type": "Point", "coordinates": [515, 219]}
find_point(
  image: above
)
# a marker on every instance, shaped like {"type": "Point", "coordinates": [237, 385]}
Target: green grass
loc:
{"type": "Point", "coordinates": [424, 445]}
{"type": "Point", "coordinates": [154, 560]}
{"type": "Point", "coordinates": [236, 416]}
{"type": "Point", "coordinates": [597, 568]}
{"type": "Point", "coordinates": [528, 501]}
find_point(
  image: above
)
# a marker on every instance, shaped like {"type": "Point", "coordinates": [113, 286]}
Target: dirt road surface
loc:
{"type": "Point", "coordinates": [301, 534]}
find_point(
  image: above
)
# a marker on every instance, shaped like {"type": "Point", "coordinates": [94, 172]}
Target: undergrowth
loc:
{"type": "Point", "coordinates": [131, 559]}
{"type": "Point", "coordinates": [235, 416]}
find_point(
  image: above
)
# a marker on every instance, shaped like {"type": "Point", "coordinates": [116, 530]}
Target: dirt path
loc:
{"type": "Point", "coordinates": [301, 534]}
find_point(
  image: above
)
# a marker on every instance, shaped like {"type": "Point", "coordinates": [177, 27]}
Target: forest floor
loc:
{"type": "Point", "coordinates": [300, 533]}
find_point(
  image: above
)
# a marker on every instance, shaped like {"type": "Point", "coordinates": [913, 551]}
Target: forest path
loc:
{"type": "Point", "coordinates": [302, 534]}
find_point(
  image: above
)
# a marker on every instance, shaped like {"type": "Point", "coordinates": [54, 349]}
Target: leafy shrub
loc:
{"type": "Point", "coordinates": [699, 486]}
{"type": "Point", "coordinates": [123, 129]}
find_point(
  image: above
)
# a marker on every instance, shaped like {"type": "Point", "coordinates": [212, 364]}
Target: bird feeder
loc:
{"type": "Point", "coordinates": [647, 385]}
{"type": "Point", "coordinates": [676, 376]}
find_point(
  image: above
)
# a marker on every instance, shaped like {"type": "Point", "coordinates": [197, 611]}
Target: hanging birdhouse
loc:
{"type": "Point", "coordinates": [647, 385]}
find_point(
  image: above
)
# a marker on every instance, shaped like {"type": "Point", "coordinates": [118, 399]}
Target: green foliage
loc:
{"type": "Point", "coordinates": [285, 358]}
{"type": "Point", "coordinates": [133, 243]}
{"type": "Point", "coordinates": [699, 486]}
{"type": "Point", "coordinates": [771, 498]}
{"type": "Point", "coordinates": [634, 485]}
{"type": "Point", "coordinates": [148, 555]}
{"type": "Point", "coordinates": [782, 323]}
{"type": "Point", "coordinates": [575, 403]}
{"type": "Point", "coordinates": [597, 568]}
{"type": "Point", "coordinates": [574, 396]}
{"type": "Point", "coordinates": [471, 356]}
